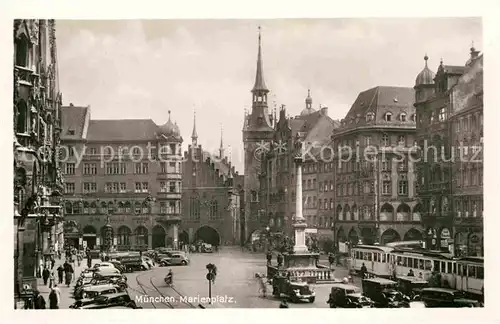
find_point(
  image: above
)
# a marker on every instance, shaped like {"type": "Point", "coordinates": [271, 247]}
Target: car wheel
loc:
{"type": "Point", "coordinates": [184, 262]}
{"type": "Point", "coordinates": [311, 300]}
{"type": "Point", "coordinates": [143, 268]}
{"type": "Point", "coordinates": [163, 264]}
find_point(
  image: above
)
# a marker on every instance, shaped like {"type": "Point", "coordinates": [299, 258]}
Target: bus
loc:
{"type": "Point", "coordinates": [375, 258]}
{"type": "Point", "coordinates": [470, 275]}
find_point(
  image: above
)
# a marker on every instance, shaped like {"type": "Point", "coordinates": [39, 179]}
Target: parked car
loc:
{"type": "Point", "coordinates": [384, 293]}
{"type": "Point", "coordinates": [104, 265]}
{"type": "Point", "coordinates": [149, 262]}
{"type": "Point", "coordinates": [294, 291]}
{"type": "Point", "coordinates": [118, 265]}
{"type": "Point", "coordinates": [444, 297]}
{"type": "Point", "coordinates": [93, 291]}
{"type": "Point", "coordinates": [174, 259]}
{"type": "Point", "coordinates": [348, 296]}
{"type": "Point", "coordinates": [120, 300]}
{"type": "Point", "coordinates": [411, 286]}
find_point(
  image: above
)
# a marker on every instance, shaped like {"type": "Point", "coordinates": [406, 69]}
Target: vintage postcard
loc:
{"type": "Point", "coordinates": [280, 163]}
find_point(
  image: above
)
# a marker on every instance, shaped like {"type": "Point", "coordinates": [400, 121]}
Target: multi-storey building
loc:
{"type": "Point", "coordinates": [122, 173]}
{"type": "Point", "coordinates": [212, 192]}
{"type": "Point", "coordinates": [449, 127]}
{"type": "Point", "coordinates": [466, 119]}
{"type": "Point", "coordinates": [37, 178]}
{"type": "Point", "coordinates": [313, 128]}
{"type": "Point", "coordinates": [257, 135]}
{"type": "Point", "coordinates": [373, 166]}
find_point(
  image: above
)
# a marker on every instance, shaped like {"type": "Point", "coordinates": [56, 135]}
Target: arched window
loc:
{"type": "Point", "coordinates": [137, 207]}
{"type": "Point", "coordinates": [145, 208]}
{"type": "Point", "coordinates": [120, 207]}
{"type": "Point", "coordinates": [68, 207]}
{"type": "Point", "coordinates": [111, 208]}
{"type": "Point", "coordinates": [128, 207]}
{"type": "Point", "coordinates": [85, 207]}
{"type": "Point", "coordinates": [104, 208]}
{"type": "Point", "coordinates": [77, 207]}
{"type": "Point", "coordinates": [22, 118]}
{"type": "Point", "coordinates": [141, 236]}
{"type": "Point", "coordinates": [385, 140]}
{"type": "Point", "coordinates": [93, 207]}
{"type": "Point", "coordinates": [388, 117]}
{"type": "Point", "coordinates": [22, 51]}
{"type": "Point", "coordinates": [123, 239]}
{"type": "Point", "coordinates": [402, 117]}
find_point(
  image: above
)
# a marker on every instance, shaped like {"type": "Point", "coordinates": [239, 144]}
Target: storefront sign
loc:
{"type": "Point", "coordinates": [445, 234]}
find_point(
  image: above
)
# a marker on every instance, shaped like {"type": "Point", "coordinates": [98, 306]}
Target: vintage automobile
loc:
{"type": "Point", "coordinates": [106, 271]}
{"type": "Point", "coordinates": [103, 278]}
{"type": "Point", "coordinates": [206, 248]}
{"type": "Point", "coordinates": [115, 300]}
{"type": "Point", "coordinates": [92, 291]}
{"type": "Point", "coordinates": [104, 265]}
{"type": "Point", "coordinates": [348, 296]}
{"type": "Point", "coordinates": [444, 297]}
{"type": "Point", "coordinates": [118, 265]}
{"type": "Point", "coordinates": [174, 259]}
{"type": "Point", "coordinates": [293, 291]}
{"type": "Point", "coordinates": [384, 293]}
{"type": "Point", "coordinates": [411, 286]}
{"type": "Point", "coordinates": [148, 261]}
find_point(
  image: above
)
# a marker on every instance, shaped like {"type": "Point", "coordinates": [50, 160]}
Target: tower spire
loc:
{"type": "Point", "coordinates": [260, 84]}
{"type": "Point", "coordinates": [221, 148]}
{"type": "Point", "coordinates": [194, 136]}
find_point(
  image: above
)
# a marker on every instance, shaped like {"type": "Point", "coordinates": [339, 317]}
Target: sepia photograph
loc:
{"type": "Point", "coordinates": [248, 163]}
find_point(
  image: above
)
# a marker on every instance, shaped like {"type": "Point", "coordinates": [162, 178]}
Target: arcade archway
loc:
{"type": "Point", "coordinates": [368, 237]}
{"type": "Point", "coordinates": [413, 235]}
{"type": "Point", "coordinates": [341, 235]}
{"type": "Point", "coordinates": [353, 237]}
{"type": "Point", "coordinates": [389, 236]}
{"type": "Point", "coordinates": [184, 237]}
{"type": "Point", "coordinates": [90, 236]}
{"type": "Point", "coordinates": [208, 235]}
{"type": "Point", "coordinates": [158, 237]}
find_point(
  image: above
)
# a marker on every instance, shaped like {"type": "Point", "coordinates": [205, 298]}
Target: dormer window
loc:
{"type": "Point", "coordinates": [370, 117]}
{"type": "Point", "coordinates": [414, 117]}
{"type": "Point", "coordinates": [402, 117]}
{"type": "Point", "coordinates": [71, 132]}
{"type": "Point", "coordinates": [388, 117]}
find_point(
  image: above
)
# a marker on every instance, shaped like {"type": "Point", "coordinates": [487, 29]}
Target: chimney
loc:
{"type": "Point", "coordinates": [71, 104]}
{"type": "Point", "coordinates": [324, 111]}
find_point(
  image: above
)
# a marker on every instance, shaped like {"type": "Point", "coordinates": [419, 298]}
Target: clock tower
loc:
{"type": "Point", "coordinates": [257, 134]}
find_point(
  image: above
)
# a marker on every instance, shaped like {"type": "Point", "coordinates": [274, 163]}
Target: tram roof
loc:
{"type": "Point", "coordinates": [422, 252]}
{"type": "Point", "coordinates": [472, 259]}
{"type": "Point", "coordinates": [385, 249]}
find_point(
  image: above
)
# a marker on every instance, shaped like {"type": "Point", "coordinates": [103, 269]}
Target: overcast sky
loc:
{"type": "Point", "coordinates": [142, 69]}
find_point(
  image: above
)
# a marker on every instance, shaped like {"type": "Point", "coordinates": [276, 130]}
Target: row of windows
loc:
{"type": "Point", "coordinates": [469, 123]}
{"type": "Point", "coordinates": [170, 207]}
{"type": "Point", "coordinates": [121, 187]}
{"type": "Point", "coordinates": [469, 177]}
{"type": "Point", "coordinates": [320, 222]}
{"type": "Point", "coordinates": [124, 151]}
{"type": "Point", "coordinates": [115, 168]}
{"type": "Point", "coordinates": [210, 206]}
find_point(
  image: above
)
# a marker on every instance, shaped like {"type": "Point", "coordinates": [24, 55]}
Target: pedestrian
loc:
{"type": "Point", "coordinates": [79, 259]}
{"type": "Point", "coordinates": [67, 272]}
{"type": "Point", "coordinates": [52, 263]}
{"type": "Point", "coordinates": [39, 300]}
{"type": "Point", "coordinates": [45, 276]}
{"type": "Point", "coordinates": [89, 261]}
{"type": "Point", "coordinates": [331, 259]}
{"type": "Point", "coordinates": [284, 303]}
{"type": "Point", "coordinates": [53, 299]}
{"type": "Point", "coordinates": [410, 273]}
{"type": "Point", "coordinates": [52, 279]}
{"type": "Point", "coordinates": [363, 271]}
{"type": "Point", "coordinates": [60, 274]}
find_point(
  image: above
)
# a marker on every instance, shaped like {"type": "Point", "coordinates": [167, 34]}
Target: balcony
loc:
{"type": "Point", "coordinates": [169, 176]}
{"type": "Point", "coordinates": [168, 218]}
{"type": "Point", "coordinates": [169, 195]}
{"type": "Point", "coordinates": [24, 75]}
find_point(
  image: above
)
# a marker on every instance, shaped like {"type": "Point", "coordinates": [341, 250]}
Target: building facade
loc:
{"type": "Point", "coordinates": [124, 173]}
{"type": "Point", "coordinates": [257, 135]}
{"type": "Point", "coordinates": [449, 128]}
{"type": "Point", "coordinates": [36, 126]}
{"type": "Point", "coordinates": [313, 129]}
{"type": "Point", "coordinates": [211, 195]}
{"type": "Point", "coordinates": [375, 197]}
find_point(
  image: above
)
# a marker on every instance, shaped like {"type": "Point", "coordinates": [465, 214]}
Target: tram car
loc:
{"type": "Point", "coordinates": [470, 275]}
{"type": "Point", "coordinates": [423, 263]}
{"type": "Point", "coordinates": [374, 257]}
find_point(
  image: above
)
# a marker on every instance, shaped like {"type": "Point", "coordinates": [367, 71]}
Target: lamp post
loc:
{"type": "Point", "coordinates": [268, 238]}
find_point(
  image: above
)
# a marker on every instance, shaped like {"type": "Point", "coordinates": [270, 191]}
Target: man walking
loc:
{"type": "Point", "coordinates": [45, 276]}
{"type": "Point", "coordinates": [60, 274]}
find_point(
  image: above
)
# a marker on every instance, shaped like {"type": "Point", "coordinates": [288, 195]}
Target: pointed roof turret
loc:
{"type": "Point", "coordinates": [221, 147]}
{"type": "Point", "coordinates": [194, 135]}
{"type": "Point", "coordinates": [426, 76]}
{"type": "Point", "coordinates": [260, 84]}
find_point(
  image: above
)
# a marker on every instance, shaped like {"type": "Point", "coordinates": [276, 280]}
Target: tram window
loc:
{"type": "Point", "coordinates": [480, 273]}
{"type": "Point", "coordinates": [369, 256]}
{"type": "Point", "coordinates": [383, 257]}
{"type": "Point", "coordinates": [450, 267]}
{"type": "Point", "coordinates": [454, 268]}
{"type": "Point", "coordinates": [459, 269]}
{"type": "Point", "coordinates": [421, 264]}
{"type": "Point", "coordinates": [404, 262]}
{"type": "Point", "coordinates": [471, 271]}
{"type": "Point", "coordinates": [436, 266]}
{"type": "Point", "coordinates": [428, 265]}
{"type": "Point", "coordinates": [377, 257]}
{"type": "Point", "coordinates": [357, 255]}
{"type": "Point", "coordinates": [415, 263]}
{"type": "Point", "coordinates": [443, 267]}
